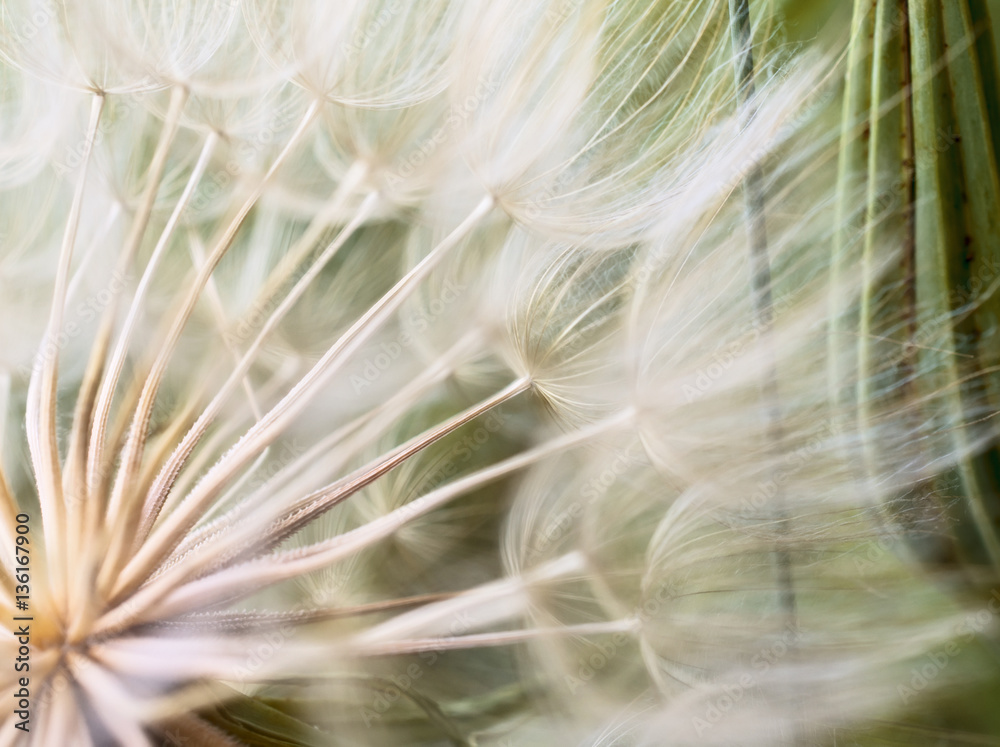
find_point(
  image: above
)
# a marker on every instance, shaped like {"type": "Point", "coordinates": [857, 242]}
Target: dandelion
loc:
{"type": "Point", "coordinates": [469, 372]}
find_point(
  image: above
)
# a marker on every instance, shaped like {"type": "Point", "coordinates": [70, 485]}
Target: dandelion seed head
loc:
{"type": "Point", "coordinates": [382, 372]}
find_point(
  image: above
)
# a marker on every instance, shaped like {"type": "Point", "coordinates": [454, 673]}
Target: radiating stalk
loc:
{"type": "Point", "coordinates": [197, 252]}
{"type": "Point", "coordinates": [500, 638]}
{"type": "Point", "coordinates": [135, 443]}
{"type": "Point", "coordinates": [300, 249]}
{"type": "Point", "coordinates": [76, 458]}
{"type": "Point", "coordinates": [109, 697]}
{"type": "Point", "coordinates": [277, 566]}
{"type": "Point", "coordinates": [267, 528]}
{"type": "Point", "coordinates": [296, 516]}
{"type": "Point", "coordinates": [153, 502]}
{"type": "Point", "coordinates": [172, 530]}
{"type": "Point", "coordinates": [96, 418]}
{"type": "Point", "coordinates": [221, 437]}
{"type": "Point", "coordinates": [109, 383]}
{"type": "Point", "coordinates": [40, 418]}
{"type": "Point", "coordinates": [251, 621]}
{"type": "Point", "coordinates": [9, 507]}
{"type": "Point", "coordinates": [296, 480]}
{"type": "Point", "coordinates": [99, 239]}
